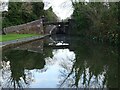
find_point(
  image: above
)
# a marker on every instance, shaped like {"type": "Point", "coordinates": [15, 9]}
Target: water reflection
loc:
{"type": "Point", "coordinates": [18, 61]}
{"type": "Point", "coordinates": [81, 64]}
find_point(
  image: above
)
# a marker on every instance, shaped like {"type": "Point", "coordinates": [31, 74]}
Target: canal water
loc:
{"type": "Point", "coordinates": [60, 62]}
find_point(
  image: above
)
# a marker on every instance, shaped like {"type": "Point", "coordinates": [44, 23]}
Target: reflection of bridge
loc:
{"type": "Point", "coordinates": [58, 42]}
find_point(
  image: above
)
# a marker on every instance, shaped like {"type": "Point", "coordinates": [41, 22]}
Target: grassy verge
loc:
{"type": "Point", "coordinates": [9, 37]}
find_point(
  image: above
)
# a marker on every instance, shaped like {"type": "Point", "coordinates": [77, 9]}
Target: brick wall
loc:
{"type": "Point", "coordinates": [34, 27]}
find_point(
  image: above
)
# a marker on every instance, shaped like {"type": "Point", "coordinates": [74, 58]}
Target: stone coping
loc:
{"type": "Point", "coordinates": [13, 43]}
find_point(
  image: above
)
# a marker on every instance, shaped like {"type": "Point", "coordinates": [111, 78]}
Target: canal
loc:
{"type": "Point", "coordinates": [60, 62]}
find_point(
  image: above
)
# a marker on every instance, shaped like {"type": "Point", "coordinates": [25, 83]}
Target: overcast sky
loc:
{"type": "Point", "coordinates": [62, 8]}
{"type": "Point", "coordinates": [3, 7]}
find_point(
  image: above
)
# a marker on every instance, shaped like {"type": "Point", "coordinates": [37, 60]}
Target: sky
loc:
{"type": "Point", "coordinates": [62, 8]}
{"type": "Point", "coordinates": [3, 6]}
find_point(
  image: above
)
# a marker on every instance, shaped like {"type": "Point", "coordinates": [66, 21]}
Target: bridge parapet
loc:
{"type": "Point", "coordinates": [61, 27]}
{"type": "Point", "coordinates": [56, 23]}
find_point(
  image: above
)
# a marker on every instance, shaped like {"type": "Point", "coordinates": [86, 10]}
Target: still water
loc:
{"type": "Point", "coordinates": [60, 62]}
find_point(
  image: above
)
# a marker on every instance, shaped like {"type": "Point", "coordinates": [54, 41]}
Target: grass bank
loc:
{"type": "Point", "coordinates": [9, 37]}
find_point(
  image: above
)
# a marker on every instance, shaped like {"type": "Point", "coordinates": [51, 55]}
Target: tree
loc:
{"type": "Point", "coordinates": [38, 8]}
{"type": "Point", "coordinates": [50, 15]}
{"type": "Point", "coordinates": [97, 20]}
{"type": "Point", "coordinates": [22, 12]}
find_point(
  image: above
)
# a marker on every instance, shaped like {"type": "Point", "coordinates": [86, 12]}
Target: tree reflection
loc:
{"type": "Point", "coordinates": [95, 66]}
{"type": "Point", "coordinates": [21, 61]}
